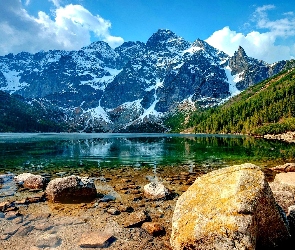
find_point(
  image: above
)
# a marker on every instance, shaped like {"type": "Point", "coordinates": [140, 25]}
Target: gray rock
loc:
{"type": "Point", "coordinates": [48, 240]}
{"type": "Point", "coordinates": [156, 191]}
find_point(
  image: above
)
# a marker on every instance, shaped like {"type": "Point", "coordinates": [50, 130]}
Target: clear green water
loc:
{"type": "Point", "coordinates": [44, 152]}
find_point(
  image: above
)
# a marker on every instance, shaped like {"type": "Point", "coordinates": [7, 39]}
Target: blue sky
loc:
{"type": "Point", "coordinates": [266, 29]}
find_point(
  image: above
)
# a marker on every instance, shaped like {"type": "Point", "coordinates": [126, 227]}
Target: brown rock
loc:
{"type": "Point", "coordinates": [21, 202]}
{"type": "Point", "coordinates": [71, 189]}
{"type": "Point", "coordinates": [136, 219]}
{"type": "Point", "coordinates": [34, 182]}
{"type": "Point", "coordinates": [123, 208]}
{"type": "Point", "coordinates": [113, 211]}
{"type": "Point", "coordinates": [95, 239]}
{"type": "Point", "coordinates": [4, 205]}
{"type": "Point", "coordinates": [288, 167]}
{"type": "Point", "coordinates": [230, 208]}
{"type": "Point", "coordinates": [153, 228]}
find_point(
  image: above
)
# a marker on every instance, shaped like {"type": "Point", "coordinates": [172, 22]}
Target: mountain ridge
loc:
{"type": "Point", "coordinates": [100, 89]}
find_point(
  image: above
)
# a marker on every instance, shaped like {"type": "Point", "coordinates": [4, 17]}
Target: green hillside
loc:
{"type": "Point", "coordinates": [266, 108]}
{"type": "Point", "coordinates": [18, 116]}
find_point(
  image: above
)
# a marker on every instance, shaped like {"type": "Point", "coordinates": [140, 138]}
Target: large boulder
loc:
{"type": "Point", "coordinates": [71, 189]}
{"type": "Point", "coordinates": [230, 208]}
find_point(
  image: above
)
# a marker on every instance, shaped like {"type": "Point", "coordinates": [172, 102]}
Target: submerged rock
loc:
{"type": "Point", "coordinates": [20, 179]}
{"type": "Point", "coordinates": [96, 240]}
{"type": "Point", "coordinates": [153, 228]}
{"type": "Point", "coordinates": [71, 189]}
{"type": "Point", "coordinates": [230, 208]}
{"type": "Point", "coordinates": [136, 219]}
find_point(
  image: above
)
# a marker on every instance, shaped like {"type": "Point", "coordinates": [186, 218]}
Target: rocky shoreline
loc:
{"type": "Point", "coordinates": [29, 220]}
{"type": "Point", "coordinates": [131, 208]}
{"type": "Point", "coordinates": [287, 137]}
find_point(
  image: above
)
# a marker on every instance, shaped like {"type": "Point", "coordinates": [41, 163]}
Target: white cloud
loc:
{"type": "Point", "coordinates": [261, 45]}
{"type": "Point", "coordinates": [70, 29]}
{"type": "Point", "coordinates": [55, 2]}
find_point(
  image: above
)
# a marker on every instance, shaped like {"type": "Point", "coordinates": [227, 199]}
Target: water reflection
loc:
{"type": "Point", "coordinates": [138, 149]}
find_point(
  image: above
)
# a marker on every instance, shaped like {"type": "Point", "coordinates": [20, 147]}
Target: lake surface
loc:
{"type": "Point", "coordinates": [42, 152]}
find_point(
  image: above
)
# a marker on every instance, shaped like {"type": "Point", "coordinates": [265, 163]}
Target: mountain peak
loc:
{"type": "Point", "coordinates": [165, 38]}
{"type": "Point", "coordinates": [162, 35]}
{"type": "Point", "coordinates": [241, 52]}
{"type": "Point", "coordinates": [98, 45]}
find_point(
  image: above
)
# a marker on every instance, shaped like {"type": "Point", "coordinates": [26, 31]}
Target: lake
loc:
{"type": "Point", "coordinates": [82, 152]}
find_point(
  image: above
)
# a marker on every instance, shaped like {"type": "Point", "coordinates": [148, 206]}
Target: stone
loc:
{"type": "Point", "coordinates": [113, 211]}
{"type": "Point", "coordinates": [107, 198]}
{"type": "Point", "coordinates": [43, 226]}
{"type": "Point", "coordinates": [34, 182]}
{"type": "Point", "coordinates": [11, 215]}
{"type": "Point", "coordinates": [156, 191]}
{"type": "Point", "coordinates": [18, 220]}
{"type": "Point", "coordinates": [20, 179]}
{"type": "Point", "coordinates": [4, 205]}
{"type": "Point", "coordinates": [71, 189]}
{"type": "Point", "coordinates": [96, 240]}
{"type": "Point", "coordinates": [284, 199]}
{"type": "Point", "coordinates": [11, 230]}
{"type": "Point", "coordinates": [21, 202]}
{"type": "Point", "coordinates": [288, 167]}
{"type": "Point", "coordinates": [136, 219]}
{"type": "Point", "coordinates": [48, 240]}
{"type": "Point", "coordinates": [24, 230]}
{"type": "Point", "coordinates": [153, 228]}
{"type": "Point", "coordinates": [230, 208]}
{"type": "Point", "coordinates": [123, 208]}
{"type": "Point", "coordinates": [286, 179]}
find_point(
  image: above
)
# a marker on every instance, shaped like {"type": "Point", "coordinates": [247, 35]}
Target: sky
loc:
{"type": "Point", "coordinates": [265, 29]}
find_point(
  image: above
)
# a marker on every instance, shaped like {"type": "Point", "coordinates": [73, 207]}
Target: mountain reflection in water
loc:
{"type": "Point", "coordinates": [20, 150]}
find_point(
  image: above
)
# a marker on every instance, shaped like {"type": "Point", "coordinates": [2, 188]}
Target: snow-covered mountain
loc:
{"type": "Point", "coordinates": [130, 88]}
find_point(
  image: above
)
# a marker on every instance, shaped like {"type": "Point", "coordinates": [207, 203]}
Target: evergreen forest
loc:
{"type": "Point", "coordinates": [265, 108]}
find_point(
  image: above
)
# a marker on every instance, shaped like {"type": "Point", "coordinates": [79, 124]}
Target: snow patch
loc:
{"type": "Point", "coordinates": [99, 112]}
{"type": "Point", "coordinates": [13, 84]}
{"type": "Point", "coordinates": [151, 110]}
{"type": "Point", "coordinates": [99, 83]}
{"type": "Point", "coordinates": [232, 80]}
{"type": "Point", "coordinates": [159, 84]}
{"type": "Point", "coordinates": [192, 50]}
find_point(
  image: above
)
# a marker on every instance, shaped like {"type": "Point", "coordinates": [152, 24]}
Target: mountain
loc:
{"type": "Point", "coordinates": [266, 108]}
{"type": "Point", "coordinates": [18, 116]}
{"type": "Point", "coordinates": [133, 87]}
